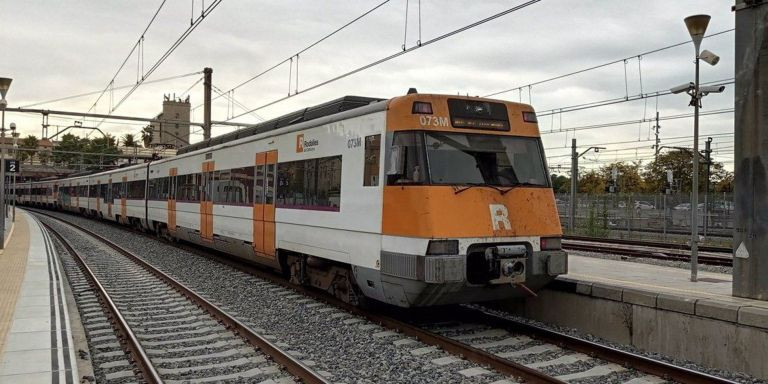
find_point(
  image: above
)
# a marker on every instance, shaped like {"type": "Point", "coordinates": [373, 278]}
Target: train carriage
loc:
{"type": "Point", "coordinates": [414, 201]}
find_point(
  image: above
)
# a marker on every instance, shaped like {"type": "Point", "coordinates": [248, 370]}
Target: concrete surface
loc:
{"type": "Point", "coordinates": [658, 309]}
{"type": "Point", "coordinates": [39, 347]}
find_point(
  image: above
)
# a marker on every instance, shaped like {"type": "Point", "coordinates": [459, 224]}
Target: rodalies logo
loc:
{"type": "Point", "coordinates": [305, 145]}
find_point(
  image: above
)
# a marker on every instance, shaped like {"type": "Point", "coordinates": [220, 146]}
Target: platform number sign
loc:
{"type": "Point", "coordinates": [12, 166]}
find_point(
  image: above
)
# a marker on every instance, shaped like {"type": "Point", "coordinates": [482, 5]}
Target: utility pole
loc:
{"type": "Point", "coordinates": [657, 127]}
{"type": "Point", "coordinates": [750, 235]}
{"type": "Point", "coordinates": [574, 181]}
{"type": "Point", "coordinates": [708, 152]}
{"type": "Point", "coordinates": [207, 72]}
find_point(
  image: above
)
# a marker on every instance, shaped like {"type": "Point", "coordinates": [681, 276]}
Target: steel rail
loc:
{"type": "Point", "coordinates": [645, 243]}
{"type": "Point", "coordinates": [291, 364]}
{"type": "Point", "coordinates": [649, 254]}
{"type": "Point", "coordinates": [139, 355]}
{"type": "Point", "coordinates": [645, 364]}
{"type": "Point", "coordinates": [639, 362]}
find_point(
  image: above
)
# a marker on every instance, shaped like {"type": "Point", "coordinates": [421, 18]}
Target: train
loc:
{"type": "Point", "coordinates": [417, 200]}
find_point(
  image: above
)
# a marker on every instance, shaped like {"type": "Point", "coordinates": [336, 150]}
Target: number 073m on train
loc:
{"type": "Point", "coordinates": [417, 200]}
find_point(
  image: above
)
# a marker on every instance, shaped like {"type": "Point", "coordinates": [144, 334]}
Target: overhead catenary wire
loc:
{"type": "Point", "coordinates": [206, 11]}
{"type": "Point", "coordinates": [395, 55]}
{"type": "Point", "coordinates": [65, 98]}
{"type": "Point", "coordinates": [130, 53]}
{"type": "Point", "coordinates": [305, 49]}
{"type": "Point", "coordinates": [603, 65]}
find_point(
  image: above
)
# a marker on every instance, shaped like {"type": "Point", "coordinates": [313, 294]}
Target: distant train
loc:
{"type": "Point", "coordinates": [417, 200]}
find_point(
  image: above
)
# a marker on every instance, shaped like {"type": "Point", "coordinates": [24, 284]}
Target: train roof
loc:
{"type": "Point", "coordinates": [306, 114]}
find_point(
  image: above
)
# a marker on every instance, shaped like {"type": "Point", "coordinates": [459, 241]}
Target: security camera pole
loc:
{"type": "Point", "coordinates": [697, 25]}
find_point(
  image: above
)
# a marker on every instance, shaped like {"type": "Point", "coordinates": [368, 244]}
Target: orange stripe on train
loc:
{"type": "Point", "coordinates": [439, 212]}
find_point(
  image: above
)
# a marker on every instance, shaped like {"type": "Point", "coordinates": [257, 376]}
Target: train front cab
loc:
{"type": "Point", "coordinates": [469, 213]}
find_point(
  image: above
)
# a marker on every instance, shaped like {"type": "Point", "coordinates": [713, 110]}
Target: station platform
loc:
{"type": "Point", "coordinates": [658, 309]}
{"type": "Point", "coordinates": [36, 344]}
{"type": "Point", "coordinates": [666, 288]}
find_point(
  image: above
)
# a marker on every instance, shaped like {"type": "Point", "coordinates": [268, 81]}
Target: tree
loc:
{"type": "Point", "coordinates": [681, 164]}
{"type": "Point", "coordinates": [30, 142]}
{"type": "Point", "coordinates": [68, 143]}
{"type": "Point", "coordinates": [129, 140]}
{"type": "Point", "coordinates": [146, 135]}
{"type": "Point", "coordinates": [630, 179]}
{"type": "Point", "coordinates": [560, 183]}
{"type": "Point", "coordinates": [591, 182]}
{"type": "Point", "coordinates": [100, 146]}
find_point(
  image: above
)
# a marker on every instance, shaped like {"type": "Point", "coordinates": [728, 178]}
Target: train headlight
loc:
{"type": "Point", "coordinates": [443, 247]}
{"type": "Point", "coordinates": [551, 244]}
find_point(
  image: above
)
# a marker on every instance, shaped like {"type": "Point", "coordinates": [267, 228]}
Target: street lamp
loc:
{"type": "Point", "coordinates": [5, 83]}
{"type": "Point", "coordinates": [575, 179]}
{"type": "Point", "coordinates": [697, 26]}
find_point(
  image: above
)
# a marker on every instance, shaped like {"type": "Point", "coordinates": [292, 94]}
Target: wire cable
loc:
{"type": "Point", "coordinates": [395, 55]}
{"type": "Point", "coordinates": [327, 36]}
{"type": "Point", "coordinates": [133, 49]}
{"type": "Point", "coordinates": [111, 89]}
{"type": "Point", "coordinates": [603, 65]}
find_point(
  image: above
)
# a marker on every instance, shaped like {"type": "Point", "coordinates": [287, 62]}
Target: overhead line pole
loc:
{"type": "Point", "coordinates": [207, 73]}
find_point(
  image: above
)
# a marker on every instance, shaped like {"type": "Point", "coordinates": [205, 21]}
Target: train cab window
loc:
{"type": "Point", "coordinates": [371, 160]}
{"type": "Point", "coordinates": [407, 163]}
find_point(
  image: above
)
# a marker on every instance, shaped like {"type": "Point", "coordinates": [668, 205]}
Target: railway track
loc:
{"type": "Point", "coordinates": [525, 352]}
{"type": "Point", "coordinates": [172, 333]}
{"type": "Point", "coordinates": [647, 249]}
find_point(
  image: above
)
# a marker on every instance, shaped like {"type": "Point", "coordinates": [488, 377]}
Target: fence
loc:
{"type": "Point", "coordinates": [648, 216]}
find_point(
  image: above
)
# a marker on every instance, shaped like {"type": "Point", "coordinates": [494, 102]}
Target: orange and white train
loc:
{"type": "Point", "coordinates": [417, 200]}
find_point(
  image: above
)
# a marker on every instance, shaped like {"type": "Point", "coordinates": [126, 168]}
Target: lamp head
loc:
{"type": "Point", "coordinates": [13, 126]}
{"type": "Point", "coordinates": [697, 26]}
{"type": "Point", "coordinates": [5, 83]}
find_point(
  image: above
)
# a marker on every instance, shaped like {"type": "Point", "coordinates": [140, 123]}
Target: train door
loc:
{"type": "Point", "coordinates": [108, 198]}
{"type": "Point", "coordinates": [123, 200]}
{"type": "Point", "coordinates": [264, 205]}
{"type": "Point", "coordinates": [77, 196]}
{"type": "Point", "coordinates": [172, 173]}
{"type": "Point", "coordinates": [206, 202]}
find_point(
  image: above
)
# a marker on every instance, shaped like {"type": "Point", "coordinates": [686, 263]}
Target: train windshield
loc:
{"type": "Point", "coordinates": [466, 159]}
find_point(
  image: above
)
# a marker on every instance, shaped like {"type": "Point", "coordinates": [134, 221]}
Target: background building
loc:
{"type": "Point", "coordinates": [171, 135]}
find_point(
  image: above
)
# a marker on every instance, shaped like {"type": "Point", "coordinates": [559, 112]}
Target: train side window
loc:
{"type": "Point", "coordinates": [372, 153]}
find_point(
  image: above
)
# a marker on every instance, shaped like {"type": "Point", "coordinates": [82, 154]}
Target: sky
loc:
{"type": "Point", "coordinates": [55, 49]}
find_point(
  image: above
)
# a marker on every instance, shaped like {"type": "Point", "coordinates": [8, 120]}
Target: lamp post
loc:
{"type": "Point", "coordinates": [5, 83]}
{"type": "Point", "coordinates": [697, 26]}
{"type": "Point", "coordinates": [15, 157]}
{"type": "Point", "coordinates": [574, 181]}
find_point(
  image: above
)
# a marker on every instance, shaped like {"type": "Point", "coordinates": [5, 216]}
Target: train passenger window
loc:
{"type": "Point", "coordinates": [407, 164]}
{"type": "Point", "coordinates": [116, 190]}
{"type": "Point", "coordinates": [310, 184]}
{"type": "Point", "coordinates": [221, 185]}
{"type": "Point", "coordinates": [241, 188]}
{"type": "Point", "coordinates": [371, 168]}
{"type": "Point", "coordinates": [187, 187]}
{"type": "Point", "coordinates": [152, 189]}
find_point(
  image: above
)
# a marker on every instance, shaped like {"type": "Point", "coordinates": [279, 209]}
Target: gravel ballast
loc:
{"type": "Point", "coordinates": [341, 346]}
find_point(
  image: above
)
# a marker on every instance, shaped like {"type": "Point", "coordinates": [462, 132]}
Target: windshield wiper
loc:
{"type": "Point", "coordinates": [457, 188]}
{"type": "Point", "coordinates": [503, 189]}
